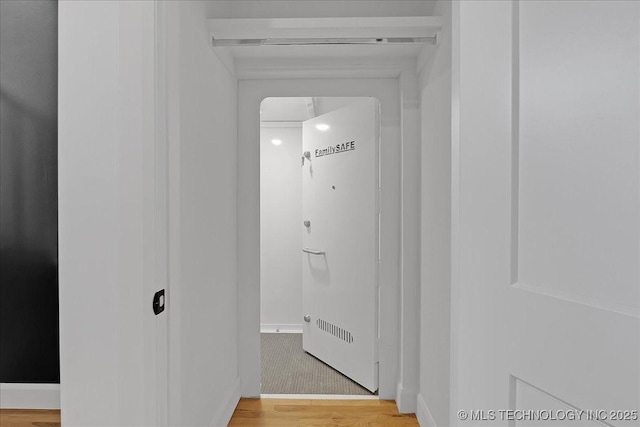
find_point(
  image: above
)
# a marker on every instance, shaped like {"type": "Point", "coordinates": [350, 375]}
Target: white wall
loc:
{"type": "Point", "coordinates": [410, 234]}
{"type": "Point", "coordinates": [281, 229]}
{"type": "Point", "coordinates": [204, 385]}
{"type": "Point", "coordinates": [435, 297]}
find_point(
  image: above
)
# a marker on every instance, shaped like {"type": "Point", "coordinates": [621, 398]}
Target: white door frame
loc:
{"type": "Point", "coordinates": [395, 86]}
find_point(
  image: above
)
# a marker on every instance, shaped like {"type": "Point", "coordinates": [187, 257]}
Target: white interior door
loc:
{"type": "Point", "coordinates": [113, 213]}
{"type": "Point", "coordinates": [340, 240]}
{"type": "Point", "coordinates": [546, 213]}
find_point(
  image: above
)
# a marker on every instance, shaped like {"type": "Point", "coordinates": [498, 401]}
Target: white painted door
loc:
{"type": "Point", "coordinates": [113, 213]}
{"type": "Point", "coordinates": [340, 241]}
{"type": "Point", "coordinates": [546, 213]}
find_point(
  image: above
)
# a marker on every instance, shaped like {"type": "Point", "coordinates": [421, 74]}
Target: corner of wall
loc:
{"type": "Point", "coordinates": [225, 411]}
{"type": "Point", "coordinates": [425, 419]}
{"type": "Point", "coordinates": [405, 400]}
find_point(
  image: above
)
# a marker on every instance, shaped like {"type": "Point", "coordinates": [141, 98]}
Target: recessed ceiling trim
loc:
{"type": "Point", "coordinates": [322, 41]}
{"type": "Point", "coordinates": [286, 31]}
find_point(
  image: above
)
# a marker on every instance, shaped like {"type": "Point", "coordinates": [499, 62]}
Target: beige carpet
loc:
{"type": "Point", "coordinates": [287, 369]}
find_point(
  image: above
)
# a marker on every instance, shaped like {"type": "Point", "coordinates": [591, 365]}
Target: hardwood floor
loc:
{"type": "Point", "coordinates": [29, 418]}
{"type": "Point", "coordinates": [303, 412]}
{"type": "Point", "coordinates": [265, 412]}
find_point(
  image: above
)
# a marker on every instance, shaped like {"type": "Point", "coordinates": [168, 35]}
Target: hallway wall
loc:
{"type": "Point", "coordinates": [280, 229]}
{"type": "Point", "coordinates": [435, 297]}
{"type": "Point", "coordinates": [203, 298]}
{"type": "Point", "coordinates": [29, 350]}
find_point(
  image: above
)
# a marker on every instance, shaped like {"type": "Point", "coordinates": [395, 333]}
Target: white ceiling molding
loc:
{"type": "Point", "coordinates": [325, 28]}
{"type": "Point", "coordinates": [327, 60]}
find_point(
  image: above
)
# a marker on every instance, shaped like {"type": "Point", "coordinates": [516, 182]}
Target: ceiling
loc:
{"type": "Point", "coordinates": [284, 110]}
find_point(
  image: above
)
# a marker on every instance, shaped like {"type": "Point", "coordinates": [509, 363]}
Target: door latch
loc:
{"type": "Point", "coordinates": [307, 155]}
{"type": "Point", "coordinates": [158, 302]}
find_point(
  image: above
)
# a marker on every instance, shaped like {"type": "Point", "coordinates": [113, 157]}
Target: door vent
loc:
{"type": "Point", "coordinates": [334, 330]}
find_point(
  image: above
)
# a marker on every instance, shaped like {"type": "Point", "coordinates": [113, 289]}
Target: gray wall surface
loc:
{"type": "Point", "coordinates": [29, 349]}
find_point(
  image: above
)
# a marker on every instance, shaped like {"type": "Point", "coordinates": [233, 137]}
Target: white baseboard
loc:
{"type": "Point", "coordinates": [29, 396]}
{"type": "Point", "coordinates": [425, 419]}
{"type": "Point", "coordinates": [405, 400]}
{"type": "Point", "coordinates": [273, 328]}
{"type": "Point", "coordinates": [225, 411]}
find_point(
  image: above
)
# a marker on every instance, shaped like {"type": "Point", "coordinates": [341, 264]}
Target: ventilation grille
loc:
{"type": "Point", "coordinates": [334, 330]}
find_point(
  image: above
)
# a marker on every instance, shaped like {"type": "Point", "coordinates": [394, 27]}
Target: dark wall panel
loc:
{"type": "Point", "coordinates": [29, 349]}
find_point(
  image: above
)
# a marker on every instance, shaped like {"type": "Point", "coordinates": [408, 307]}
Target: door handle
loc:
{"type": "Point", "coordinates": [313, 251]}
{"type": "Point", "coordinates": [307, 318]}
{"type": "Point", "coordinates": [158, 302]}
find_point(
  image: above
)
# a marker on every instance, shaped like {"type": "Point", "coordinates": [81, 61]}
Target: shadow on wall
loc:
{"type": "Point", "coordinates": [29, 339]}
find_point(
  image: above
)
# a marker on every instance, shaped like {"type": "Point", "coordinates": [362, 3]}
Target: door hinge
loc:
{"type": "Point", "coordinates": [158, 302]}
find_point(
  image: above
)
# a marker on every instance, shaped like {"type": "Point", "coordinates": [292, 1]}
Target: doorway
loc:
{"type": "Point", "coordinates": [250, 95]}
{"type": "Point", "coordinates": [319, 204]}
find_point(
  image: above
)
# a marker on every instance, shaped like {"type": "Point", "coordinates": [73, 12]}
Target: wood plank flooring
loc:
{"type": "Point", "coordinates": [318, 412]}
{"type": "Point", "coordinates": [29, 418]}
{"type": "Point", "coordinates": [266, 412]}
